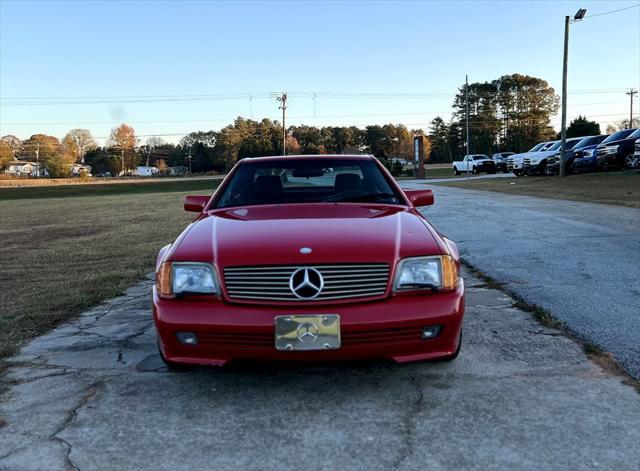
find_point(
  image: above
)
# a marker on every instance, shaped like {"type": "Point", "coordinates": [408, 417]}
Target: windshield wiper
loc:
{"type": "Point", "coordinates": [364, 198]}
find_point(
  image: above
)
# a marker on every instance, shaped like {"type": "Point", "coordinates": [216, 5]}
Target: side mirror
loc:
{"type": "Point", "coordinates": [420, 197]}
{"type": "Point", "coordinates": [195, 203]}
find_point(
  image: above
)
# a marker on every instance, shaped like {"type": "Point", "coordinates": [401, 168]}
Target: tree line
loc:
{"type": "Point", "coordinates": [510, 113]}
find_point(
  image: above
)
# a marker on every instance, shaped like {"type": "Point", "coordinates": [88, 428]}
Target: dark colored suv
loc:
{"type": "Point", "coordinates": [584, 157]}
{"type": "Point", "coordinates": [613, 151]}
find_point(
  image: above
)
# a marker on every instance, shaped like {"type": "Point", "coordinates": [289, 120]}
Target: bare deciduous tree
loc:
{"type": "Point", "coordinates": [79, 142]}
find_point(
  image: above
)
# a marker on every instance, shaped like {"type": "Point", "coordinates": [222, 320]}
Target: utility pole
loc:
{"type": "Point", "coordinates": [189, 158]}
{"type": "Point", "coordinates": [466, 99]}
{"type": "Point", "coordinates": [563, 128]}
{"type": "Point", "coordinates": [283, 106]}
{"type": "Point", "coordinates": [631, 93]}
{"type": "Point", "coordinates": [122, 159]}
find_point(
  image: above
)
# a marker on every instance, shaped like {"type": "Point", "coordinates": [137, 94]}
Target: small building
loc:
{"type": "Point", "coordinates": [145, 171]}
{"type": "Point", "coordinates": [80, 169]}
{"type": "Point", "coordinates": [21, 168]}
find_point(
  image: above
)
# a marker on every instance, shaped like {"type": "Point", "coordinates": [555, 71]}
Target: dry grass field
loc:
{"type": "Point", "coordinates": [619, 188]}
{"type": "Point", "coordinates": [61, 254]}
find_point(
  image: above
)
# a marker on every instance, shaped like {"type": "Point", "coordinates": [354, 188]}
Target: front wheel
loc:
{"type": "Point", "coordinates": [456, 171]}
{"type": "Point", "coordinates": [517, 173]}
{"type": "Point", "coordinates": [629, 161]}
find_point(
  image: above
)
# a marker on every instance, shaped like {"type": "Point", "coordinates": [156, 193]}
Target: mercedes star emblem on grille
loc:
{"type": "Point", "coordinates": [306, 283]}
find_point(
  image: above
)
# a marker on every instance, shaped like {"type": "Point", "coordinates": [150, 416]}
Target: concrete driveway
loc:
{"type": "Point", "coordinates": [94, 395]}
{"type": "Point", "coordinates": [581, 261]}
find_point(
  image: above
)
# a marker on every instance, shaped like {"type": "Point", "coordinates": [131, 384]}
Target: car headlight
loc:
{"type": "Point", "coordinates": [175, 278]}
{"type": "Point", "coordinates": [436, 272]}
{"type": "Point", "coordinates": [588, 152]}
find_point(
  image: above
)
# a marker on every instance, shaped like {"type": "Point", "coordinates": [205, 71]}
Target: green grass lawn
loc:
{"type": "Point", "coordinates": [67, 248]}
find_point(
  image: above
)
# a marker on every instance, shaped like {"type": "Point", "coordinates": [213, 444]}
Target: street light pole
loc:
{"type": "Point", "coordinates": [565, 60]}
{"type": "Point", "coordinates": [466, 95]}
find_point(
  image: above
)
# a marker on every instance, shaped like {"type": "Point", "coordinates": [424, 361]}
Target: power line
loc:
{"type": "Point", "coordinates": [50, 101]}
{"type": "Point", "coordinates": [612, 11]}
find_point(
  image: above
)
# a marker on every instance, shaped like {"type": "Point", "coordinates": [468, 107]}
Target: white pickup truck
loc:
{"type": "Point", "coordinates": [474, 163]}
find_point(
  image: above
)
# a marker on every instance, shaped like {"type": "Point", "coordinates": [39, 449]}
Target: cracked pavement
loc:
{"type": "Point", "coordinates": [93, 395]}
{"type": "Point", "coordinates": [577, 260]}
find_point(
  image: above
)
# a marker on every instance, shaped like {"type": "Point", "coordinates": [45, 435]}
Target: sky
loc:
{"type": "Point", "coordinates": [172, 67]}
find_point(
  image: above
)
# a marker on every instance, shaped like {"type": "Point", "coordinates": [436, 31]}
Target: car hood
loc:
{"type": "Point", "coordinates": [335, 233]}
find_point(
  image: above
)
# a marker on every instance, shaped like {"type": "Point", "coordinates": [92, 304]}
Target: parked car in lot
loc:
{"type": "Point", "coordinates": [500, 158]}
{"type": "Point", "coordinates": [308, 258]}
{"type": "Point", "coordinates": [475, 163]}
{"type": "Point", "coordinates": [535, 163]}
{"type": "Point", "coordinates": [587, 142]}
{"type": "Point", "coordinates": [515, 162]}
{"type": "Point", "coordinates": [584, 158]}
{"type": "Point", "coordinates": [634, 162]}
{"type": "Point", "coordinates": [614, 151]}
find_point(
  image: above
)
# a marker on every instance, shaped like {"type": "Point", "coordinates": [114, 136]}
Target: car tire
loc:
{"type": "Point", "coordinates": [456, 171]}
{"type": "Point", "coordinates": [475, 171]}
{"type": "Point", "coordinates": [173, 366]}
{"type": "Point", "coordinates": [628, 162]}
{"type": "Point", "coordinates": [517, 173]}
{"type": "Point", "coordinates": [455, 354]}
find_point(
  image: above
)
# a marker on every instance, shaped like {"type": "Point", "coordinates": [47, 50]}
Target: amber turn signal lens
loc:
{"type": "Point", "coordinates": [163, 280]}
{"type": "Point", "coordinates": [449, 272]}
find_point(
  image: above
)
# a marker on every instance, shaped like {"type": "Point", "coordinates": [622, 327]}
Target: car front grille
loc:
{"type": "Point", "coordinates": [526, 161]}
{"type": "Point", "coordinates": [271, 283]}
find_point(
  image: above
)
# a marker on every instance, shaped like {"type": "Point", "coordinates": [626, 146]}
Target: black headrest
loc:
{"type": "Point", "coordinates": [268, 188]}
{"type": "Point", "coordinates": [347, 181]}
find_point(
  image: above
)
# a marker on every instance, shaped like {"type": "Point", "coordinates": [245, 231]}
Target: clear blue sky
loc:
{"type": "Point", "coordinates": [176, 48]}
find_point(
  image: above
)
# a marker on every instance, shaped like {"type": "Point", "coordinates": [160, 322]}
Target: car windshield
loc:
{"type": "Point", "coordinates": [537, 147]}
{"type": "Point", "coordinates": [480, 157]}
{"type": "Point", "coordinates": [555, 146]}
{"type": "Point", "coordinates": [312, 180]}
{"type": "Point", "coordinates": [570, 144]}
{"type": "Point", "coordinates": [616, 136]}
{"type": "Point", "coordinates": [635, 134]}
{"type": "Point", "coordinates": [585, 141]}
{"type": "Point", "coordinates": [589, 141]}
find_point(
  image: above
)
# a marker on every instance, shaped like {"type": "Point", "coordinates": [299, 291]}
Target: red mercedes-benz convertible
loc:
{"type": "Point", "coordinates": [314, 258]}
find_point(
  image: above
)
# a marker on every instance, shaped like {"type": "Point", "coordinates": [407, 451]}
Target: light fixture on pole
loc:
{"type": "Point", "coordinates": [563, 129]}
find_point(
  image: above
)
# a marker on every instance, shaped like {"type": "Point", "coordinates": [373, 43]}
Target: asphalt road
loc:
{"type": "Point", "coordinates": [93, 395]}
{"type": "Point", "coordinates": [580, 261]}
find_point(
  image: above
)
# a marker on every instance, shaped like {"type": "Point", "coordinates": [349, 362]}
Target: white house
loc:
{"type": "Point", "coordinates": [146, 171]}
{"type": "Point", "coordinates": [21, 168]}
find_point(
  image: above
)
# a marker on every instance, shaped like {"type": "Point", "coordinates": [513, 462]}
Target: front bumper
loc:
{"type": "Point", "coordinates": [487, 167]}
{"type": "Point", "coordinates": [386, 329]}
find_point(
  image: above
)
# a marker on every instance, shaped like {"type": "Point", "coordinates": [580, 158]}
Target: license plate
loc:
{"type": "Point", "coordinates": [315, 332]}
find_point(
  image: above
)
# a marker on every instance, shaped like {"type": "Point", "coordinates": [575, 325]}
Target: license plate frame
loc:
{"type": "Point", "coordinates": [307, 332]}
